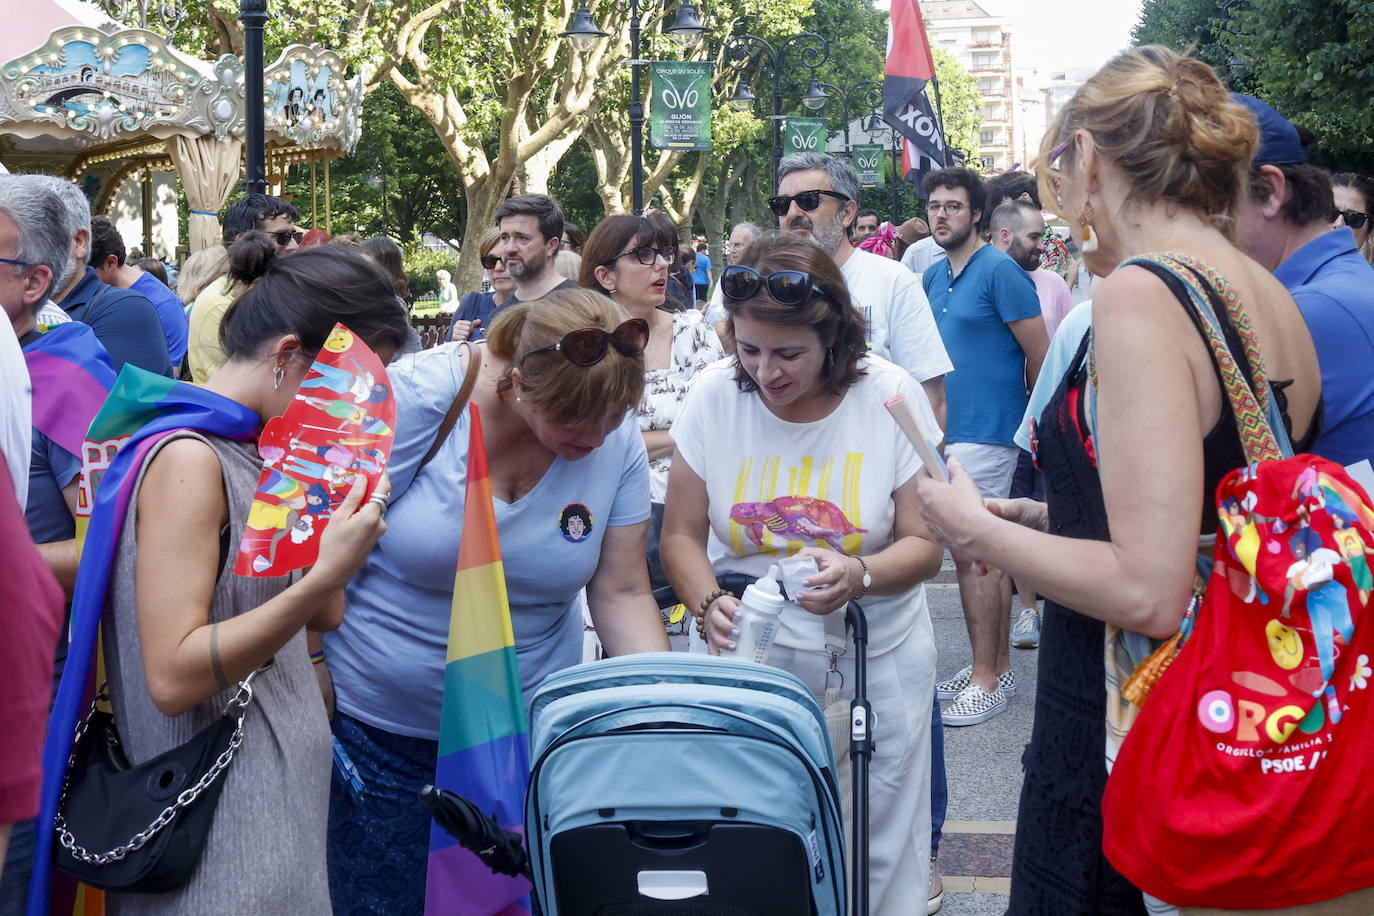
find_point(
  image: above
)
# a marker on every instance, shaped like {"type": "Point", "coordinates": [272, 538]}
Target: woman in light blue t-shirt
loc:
{"type": "Point", "coordinates": [570, 485]}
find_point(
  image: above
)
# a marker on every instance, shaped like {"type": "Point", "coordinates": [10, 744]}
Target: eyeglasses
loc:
{"type": "Point", "coordinates": [785, 287]}
{"type": "Point", "coordinates": [17, 263]}
{"type": "Point", "coordinates": [645, 254]}
{"type": "Point", "coordinates": [807, 200]}
{"type": "Point", "coordinates": [284, 237]}
{"type": "Point", "coordinates": [1353, 218]}
{"type": "Point", "coordinates": [489, 261]}
{"type": "Point", "coordinates": [952, 207]}
{"type": "Point", "coordinates": [587, 346]}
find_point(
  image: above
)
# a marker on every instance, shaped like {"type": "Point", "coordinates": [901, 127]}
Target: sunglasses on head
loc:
{"type": "Point", "coordinates": [644, 254]}
{"type": "Point", "coordinates": [284, 237]}
{"type": "Point", "coordinates": [489, 261]}
{"type": "Point", "coordinates": [785, 287]}
{"type": "Point", "coordinates": [807, 200]}
{"type": "Point", "coordinates": [1353, 218]}
{"type": "Point", "coordinates": [587, 346]}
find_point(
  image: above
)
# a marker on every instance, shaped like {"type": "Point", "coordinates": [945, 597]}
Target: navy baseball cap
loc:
{"type": "Point", "coordinates": [1279, 140]}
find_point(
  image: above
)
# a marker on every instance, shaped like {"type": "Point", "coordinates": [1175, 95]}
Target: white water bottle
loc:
{"type": "Point", "coordinates": [761, 606]}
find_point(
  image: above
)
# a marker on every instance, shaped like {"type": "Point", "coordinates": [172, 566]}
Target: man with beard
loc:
{"type": "Point", "coordinates": [531, 228]}
{"type": "Point", "coordinates": [1018, 228]}
{"type": "Point", "coordinates": [865, 225]}
{"type": "Point", "coordinates": [989, 316]}
{"type": "Point", "coordinates": [817, 198]}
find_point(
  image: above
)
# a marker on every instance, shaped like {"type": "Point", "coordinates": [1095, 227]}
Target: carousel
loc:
{"type": "Point", "coordinates": [130, 119]}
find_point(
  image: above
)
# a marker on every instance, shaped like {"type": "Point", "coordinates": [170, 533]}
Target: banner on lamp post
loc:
{"type": "Point", "coordinates": [870, 161]}
{"type": "Point", "coordinates": [680, 113]}
{"type": "Point", "coordinates": [803, 135]}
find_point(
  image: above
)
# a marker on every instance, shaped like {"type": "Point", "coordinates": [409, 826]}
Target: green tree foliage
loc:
{"type": "Point", "coordinates": [961, 105]}
{"type": "Point", "coordinates": [1184, 25]}
{"type": "Point", "coordinates": [1314, 62]}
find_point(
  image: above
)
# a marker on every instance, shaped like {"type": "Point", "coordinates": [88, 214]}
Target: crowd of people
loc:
{"type": "Point", "coordinates": [655, 420]}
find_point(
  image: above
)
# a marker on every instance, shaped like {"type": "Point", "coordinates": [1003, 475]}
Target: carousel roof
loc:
{"type": "Point", "coordinates": [70, 80]}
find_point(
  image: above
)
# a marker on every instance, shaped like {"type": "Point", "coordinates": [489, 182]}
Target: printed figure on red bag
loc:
{"type": "Point", "coordinates": [1318, 559]}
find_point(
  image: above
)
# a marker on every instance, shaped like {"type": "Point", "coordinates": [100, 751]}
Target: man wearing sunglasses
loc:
{"type": "Point", "coordinates": [818, 199]}
{"type": "Point", "coordinates": [252, 211]}
{"type": "Point", "coordinates": [1285, 225]}
{"type": "Point", "coordinates": [124, 321]}
{"type": "Point", "coordinates": [531, 228]}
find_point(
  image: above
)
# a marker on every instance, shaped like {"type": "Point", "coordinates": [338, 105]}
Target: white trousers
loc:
{"type": "Point", "coordinates": [901, 688]}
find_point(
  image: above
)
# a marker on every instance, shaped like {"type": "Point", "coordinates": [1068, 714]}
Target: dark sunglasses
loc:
{"type": "Point", "coordinates": [587, 346]}
{"type": "Point", "coordinates": [785, 287]}
{"type": "Point", "coordinates": [489, 261]}
{"type": "Point", "coordinates": [807, 200]}
{"type": "Point", "coordinates": [284, 236]}
{"type": "Point", "coordinates": [644, 254]}
{"type": "Point", "coordinates": [1353, 218]}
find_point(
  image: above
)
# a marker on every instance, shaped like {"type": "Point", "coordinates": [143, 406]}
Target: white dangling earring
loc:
{"type": "Point", "coordinates": [278, 374]}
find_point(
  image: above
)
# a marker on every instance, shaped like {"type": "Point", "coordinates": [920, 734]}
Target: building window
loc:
{"type": "Point", "coordinates": [982, 36]}
{"type": "Point", "coordinates": [987, 84]}
{"type": "Point", "coordinates": [987, 162]}
{"type": "Point", "coordinates": [987, 136]}
{"type": "Point", "coordinates": [984, 61]}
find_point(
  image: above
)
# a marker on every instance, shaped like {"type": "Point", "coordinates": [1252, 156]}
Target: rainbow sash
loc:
{"type": "Point", "coordinates": [483, 751]}
{"type": "Point", "coordinates": [71, 374]}
{"type": "Point", "coordinates": [141, 410]}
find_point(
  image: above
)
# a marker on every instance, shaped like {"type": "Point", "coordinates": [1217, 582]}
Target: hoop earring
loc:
{"type": "Point", "coordinates": [278, 375]}
{"type": "Point", "coordinates": [1090, 237]}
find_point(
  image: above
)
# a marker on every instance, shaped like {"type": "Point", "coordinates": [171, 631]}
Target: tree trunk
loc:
{"type": "Point", "coordinates": [541, 164]}
{"type": "Point", "coordinates": [483, 196]}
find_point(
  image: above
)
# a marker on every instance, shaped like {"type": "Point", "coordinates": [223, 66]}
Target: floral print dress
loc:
{"type": "Point", "coordinates": [695, 346]}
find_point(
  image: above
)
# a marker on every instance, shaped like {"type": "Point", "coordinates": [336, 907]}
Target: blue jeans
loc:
{"type": "Point", "coordinates": [939, 789]}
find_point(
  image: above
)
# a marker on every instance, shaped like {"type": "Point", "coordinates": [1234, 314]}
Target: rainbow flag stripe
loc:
{"type": "Point", "coordinates": [142, 409]}
{"type": "Point", "coordinates": [483, 750]}
{"type": "Point", "coordinates": [71, 374]}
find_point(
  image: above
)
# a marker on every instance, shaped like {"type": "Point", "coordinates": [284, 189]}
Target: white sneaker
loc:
{"type": "Point", "coordinates": [937, 889]}
{"type": "Point", "coordinates": [974, 706]}
{"type": "Point", "coordinates": [1026, 633]}
{"type": "Point", "coordinates": [948, 690]}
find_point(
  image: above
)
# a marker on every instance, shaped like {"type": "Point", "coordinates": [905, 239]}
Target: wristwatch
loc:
{"type": "Point", "coordinates": [867, 581]}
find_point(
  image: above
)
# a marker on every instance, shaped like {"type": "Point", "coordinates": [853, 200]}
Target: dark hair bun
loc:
{"type": "Point", "coordinates": [251, 256]}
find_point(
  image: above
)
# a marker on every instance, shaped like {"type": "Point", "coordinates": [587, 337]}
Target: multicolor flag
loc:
{"type": "Point", "coordinates": [142, 409]}
{"type": "Point", "coordinates": [71, 374]}
{"type": "Point", "coordinates": [483, 749]}
{"type": "Point", "coordinates": [906, 104]}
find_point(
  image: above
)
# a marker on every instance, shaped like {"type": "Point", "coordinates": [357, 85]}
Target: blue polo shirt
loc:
{"type": "Point", "coordinates": [986, 392]}
{"type": "Point", "coordinates": [124, 321]}
{"type": "Point", "coordinates": [1333, 286]}
{"type": "Point", "coordinates": [170, 312]}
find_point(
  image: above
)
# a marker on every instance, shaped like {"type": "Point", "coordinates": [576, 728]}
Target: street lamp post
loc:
{"type": "Point", "coordinates": [583, 33]}
{"type": "Point", "coordinates": [374, 180]}
{"type": "Point", "coordinates": [870, 92]}
{"type": "Point", "coordinates": [813, 48]}
{"type": "Point", "coordinates": [253, 15]}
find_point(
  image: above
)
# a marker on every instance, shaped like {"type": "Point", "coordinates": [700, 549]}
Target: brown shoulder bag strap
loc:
{"type": "Point", "coordinates": [460, 400]}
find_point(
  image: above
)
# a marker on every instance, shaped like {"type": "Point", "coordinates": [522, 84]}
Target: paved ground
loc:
{"type": "Point", "coordinates": [983, 763]}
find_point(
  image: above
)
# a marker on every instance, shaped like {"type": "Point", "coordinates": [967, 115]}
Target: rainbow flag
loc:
{"type": "Point", "coordinates": [142, 409]}
{"type": "Point", "coordinates": [71, 374]}
{"type": "Point", "coordinates": [483, 751]}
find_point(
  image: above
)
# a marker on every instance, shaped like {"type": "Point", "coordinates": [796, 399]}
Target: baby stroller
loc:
{"type": "Point", "coordinates": [682, 784]}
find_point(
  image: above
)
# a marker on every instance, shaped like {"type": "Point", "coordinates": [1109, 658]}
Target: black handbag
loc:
{"type": "Point", "coordinates": [149, 822]}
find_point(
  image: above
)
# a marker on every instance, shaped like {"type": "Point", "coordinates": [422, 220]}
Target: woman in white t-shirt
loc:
{"type": "Point", "coordinates": [620, 259]}
{"type": "Point", "coordinates": [787, 448]}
